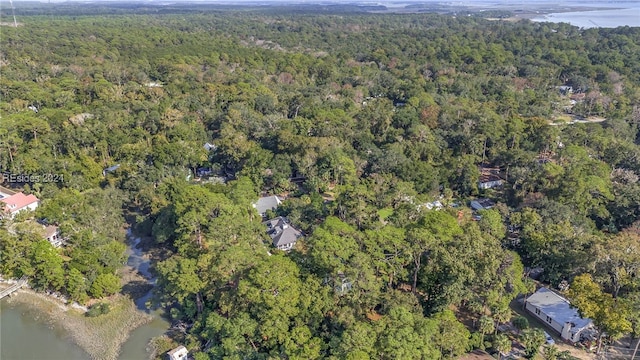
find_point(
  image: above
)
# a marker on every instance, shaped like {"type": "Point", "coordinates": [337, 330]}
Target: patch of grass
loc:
{"type": "Point", "coordinates": [98, 309]}
{"type": "Point", "coordinates": [385, 213]}
{"type": "Point", "coordinates": [102, 336]}
{"type": "Point", "coordinates": [161, 345]}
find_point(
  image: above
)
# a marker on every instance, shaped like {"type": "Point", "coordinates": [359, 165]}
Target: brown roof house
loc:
{"type": "Point", "coordinates": [489, 178]}
{"type": "Point", "coordinates": [284, 236]}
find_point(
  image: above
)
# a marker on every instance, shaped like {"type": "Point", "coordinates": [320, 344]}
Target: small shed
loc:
{"type": "Point", "coordinates": [179, 353]}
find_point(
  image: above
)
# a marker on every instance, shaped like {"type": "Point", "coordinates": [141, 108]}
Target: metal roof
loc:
{"type": "Point", "coordinates": [267, 203]}
{"type": "Point", "coordinates": [557, 307]}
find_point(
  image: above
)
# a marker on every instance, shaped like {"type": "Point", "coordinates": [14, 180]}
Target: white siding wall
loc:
{"type": "Point", "coordinates": [32, 206]}
{"type": "Point", "coordinates": [490, 184]}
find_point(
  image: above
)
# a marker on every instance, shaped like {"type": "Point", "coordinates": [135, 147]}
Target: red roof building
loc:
{"type": "Point", "coordinates": [18, 202]}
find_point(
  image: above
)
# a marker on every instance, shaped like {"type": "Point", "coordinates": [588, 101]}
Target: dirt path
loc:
{"type": "Point", "coordinates": [580, 354]}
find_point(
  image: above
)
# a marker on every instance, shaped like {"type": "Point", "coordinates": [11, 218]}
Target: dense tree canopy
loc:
{"type": "Point", "coordinates": [362, 121]}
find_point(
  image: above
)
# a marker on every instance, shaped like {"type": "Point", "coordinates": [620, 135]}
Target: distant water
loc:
{"type": "Point", "coordinates": [628, 14]}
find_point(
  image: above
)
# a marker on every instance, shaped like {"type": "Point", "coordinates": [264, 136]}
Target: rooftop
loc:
{"type": "Point", "coordinates": [557, 308]}
{"type": "Point", "coordinates": [267, 203]}
{"type": "Point", "coordinates": [112, 168]}
{"type": "Point", "coordinates": [180, 352]}
{"type": "Point", "coordinates": [18, 201]}
{"type": "Point", "coordinates": [485, 178]}
{"type": "Point", "coordinates": [50, 230]}
{"type": "Point", "coordinates": [281, 232]}
{"type": "Point", "coordinates": [484, 202]}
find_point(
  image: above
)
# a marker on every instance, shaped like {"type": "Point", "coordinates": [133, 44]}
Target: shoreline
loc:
{"type": "Point", "coordinates": [101, 338]}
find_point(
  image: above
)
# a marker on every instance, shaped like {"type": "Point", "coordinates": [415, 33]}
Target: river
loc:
{"type": "Point", "coordinates": [624, 13]}
{"type": "Point", "coordinates": [26, 336]}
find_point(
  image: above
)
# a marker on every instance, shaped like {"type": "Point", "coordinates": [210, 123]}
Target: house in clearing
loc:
{"type": "Point", "coordinates": [283, 235]}
{"type": "Point", "coordinates": [556, 312]}
{"type": "Point", "coordinates": [18, 202]}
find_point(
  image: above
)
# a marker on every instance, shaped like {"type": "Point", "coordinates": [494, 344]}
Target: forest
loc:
{"type": "Point", "coordinates": [357, 120]}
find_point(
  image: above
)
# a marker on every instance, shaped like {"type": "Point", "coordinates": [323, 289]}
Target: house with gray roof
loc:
{"type": "Point", "coordinates": [267, 203]}
{"type": "Point", "coordinates": [482, 204]}
{"type": "Point", "coordinates": [556, 312]}
{"type": "Point", "coordinates": [283, 235]}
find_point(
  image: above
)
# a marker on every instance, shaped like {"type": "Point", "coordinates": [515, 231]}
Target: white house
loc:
{"type": "Point", "coordinates": [179, 353]}
{"type": "Point", "coordinates": [556, 312]}
{"type": "Point", "coordinates": [19, 202]}
{"type": "Point", "coordinates": [489, 181]}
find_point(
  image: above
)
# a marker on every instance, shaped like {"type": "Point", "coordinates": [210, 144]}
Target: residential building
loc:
{"type": "Point", "coordinates": [283, 235]}
{"type": "Point", "coordinates": [179, 353]}
{"type": "Point", "coordinates": [556, 312]}
{"type": "Point", "coordinates": [19, 202]}
{"type": "Point", "coordinates": [52, 234]}
{"type": "Point", "coordinates": [482, 204]}
{"type": "Point", "coordinates": [267, 203]}
{"type": "Point", "coordinates": [344, 285]}
{"type": "Point", "coordinates": [489, 178]}
{"type": "Point", "coordinates": [210, 146]}
{"type": "Point", "coordinates": [110, 169]}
